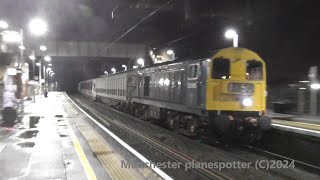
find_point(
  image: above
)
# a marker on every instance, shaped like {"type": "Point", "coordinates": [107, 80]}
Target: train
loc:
{"type": "Point", "coordinates": [224, 95]}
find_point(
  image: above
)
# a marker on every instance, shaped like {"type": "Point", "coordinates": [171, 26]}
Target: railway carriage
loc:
{"type": "Point", "coordinates": [225, 94]}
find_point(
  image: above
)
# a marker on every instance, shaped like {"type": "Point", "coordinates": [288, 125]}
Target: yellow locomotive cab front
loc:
{"type": "Point", "coordinates": [236, 82]}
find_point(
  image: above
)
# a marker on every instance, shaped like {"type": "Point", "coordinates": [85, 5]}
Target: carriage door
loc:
{"type": "Point", "coordinates": [193, 85]}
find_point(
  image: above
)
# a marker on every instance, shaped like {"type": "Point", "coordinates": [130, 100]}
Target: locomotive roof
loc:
{"type": "Point", "coordinates": [229, 53]}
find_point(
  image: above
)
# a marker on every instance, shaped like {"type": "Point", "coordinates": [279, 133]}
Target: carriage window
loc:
{"type": "Point", "coordinates": [254, 70]}
{"type": "Point", "coordinates": [221, 68]}
{"type": "Point", "coordinates": [146, 86]}
{"type": "Point", "coordinates": [193, 71]}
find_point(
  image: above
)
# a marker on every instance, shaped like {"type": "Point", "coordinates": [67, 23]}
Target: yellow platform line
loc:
{"type": "Point", "coordinates": [82, 157]}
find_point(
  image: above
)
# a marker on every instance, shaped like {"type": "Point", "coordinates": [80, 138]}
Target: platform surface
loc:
{"type": "Point", "coordinates": [57, 147]}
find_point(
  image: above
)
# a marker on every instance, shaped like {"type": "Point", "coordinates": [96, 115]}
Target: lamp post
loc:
{"type": "Point", "coordinates": [232, 34]}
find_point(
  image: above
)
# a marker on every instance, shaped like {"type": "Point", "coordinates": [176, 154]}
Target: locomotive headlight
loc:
{"type": "Point", "coordinates": [247, 102]}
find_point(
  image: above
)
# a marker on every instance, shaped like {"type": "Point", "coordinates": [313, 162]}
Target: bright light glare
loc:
{"type": "Point", "coordinates": [12, 71]}
{"type": "Point", "coordinates": [113, 70]}
{"type": "Point", "coordinates": [161, 81]}
{"type": "Point", "coordinates": [247, 102]}
{"type": "Point", "coordinates": [230, 34]}
{"type": "Point", "coordinates": [124, 66]}
{"type": "Point", "coordinates": [43, 48]}
{"type": "Point", "coordinates": [49, 64]}
{"type": "Point", "coordinates": [140, 61]}
{"type": "Point", "coordinates": [22, 47]}
{"type": "Point", "coordinates": [170, 52]}
{"type": "Point", "coordinates": [106, 72]}
{"type": "Point", "coordinates": [47, 58]}
{"type": "Point", "coordinates": [26, 64]}
{"type": "Point", "coordinates": [3, 24]}
{"type": "Point", "coordinates": [315, 86]}
{"type": "Point", "coordinates": [304, 81]}
{"type": "Point", "coordinates": [11, 36]}
{"type": "Point", "coordinates": [38, 64]}
{"type": "Point", "coordinates": [32, 57]}
{"type": "Point", "coordinates": [38, 27]}
{"type": "Point", "coordinates": [166, 82]}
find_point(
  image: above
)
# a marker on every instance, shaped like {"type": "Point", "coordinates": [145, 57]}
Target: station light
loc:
{"type": "Point", "coordinates": [151, 53]}
{"type": "Point", "coordinates": [113, 70]}
{"type": "Point", "coordinates": [170, 52]}
{"type": "Point", "coordinates": [47, 58]}
{"type": "Point", "coordinates": [306, 81]}
{"type": "Point", "coordinates": [38, 27]}
{"type": "Point", "coordinates": [11, 36]}
{"type": "Point", "coordinates": [22, 47]}
{"type": "Point", "coordinates": [49, 64]}
{"type": "Point", "coordinates": [141, 62]}
{"type": "Point", "coordinates": [48, 69]}
{"type": "Point", "coordinates": [12, 71]}
{"type": "Point", "coordinates": [43, 48]}
{"type": "Point", "coordinates": [315, 86]}
{"type": "Point", "coordinates": [32, 57]}
{"type": "Point", "coordinates": [106, 72]}
{"type": "Point", "coordinates": [232, 34]}
{"type": "Point", "coordinates": [26, 64]}
{"type": "Point", "coordinates": [124, 66]}
{"type": "Point", "coordinates": [134, 67]}
{"type": "Point", "coordinates": [37, 64]}
{"type": "Point", "coordinates": [3, 24]}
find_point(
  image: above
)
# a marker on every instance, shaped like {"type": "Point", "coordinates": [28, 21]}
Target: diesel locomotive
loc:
{"type": "Point", "coordinates": [224, 95]}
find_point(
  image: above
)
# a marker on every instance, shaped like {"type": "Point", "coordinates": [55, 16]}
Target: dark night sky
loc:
{"type": "Point", "coordinates": [284, 32]}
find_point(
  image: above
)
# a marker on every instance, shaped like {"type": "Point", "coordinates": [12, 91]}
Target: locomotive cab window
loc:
{"type": "Point", "coordinates": [221, 68]}
{"type": "Point", "coordinates": [254, 70]}
{"type": "Point", "coordinates": [193, 71]}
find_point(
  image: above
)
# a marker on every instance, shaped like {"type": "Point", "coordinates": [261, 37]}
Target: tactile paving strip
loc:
{"type": "Point", "coordinates": [103, 151]}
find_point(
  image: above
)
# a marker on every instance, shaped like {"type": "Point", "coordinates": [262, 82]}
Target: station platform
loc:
{"type": "Point", "coordinates": [62, 144]}
{"type": "Point", "coordinates": [300, 124]}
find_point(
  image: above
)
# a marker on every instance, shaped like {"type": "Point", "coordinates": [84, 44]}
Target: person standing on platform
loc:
{"type": "Point", "coordinates": [9, 106]}
{"type": "Point", "coordinates": [45, 93]}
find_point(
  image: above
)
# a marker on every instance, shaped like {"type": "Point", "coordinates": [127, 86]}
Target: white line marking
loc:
{"type": "Point", "coordinates": [2, 147]}
{"type": "Point", "coordinates": [296, 128]}
{"type": "Point", "coordinates": [125, 145]}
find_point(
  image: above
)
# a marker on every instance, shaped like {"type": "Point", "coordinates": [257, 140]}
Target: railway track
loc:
{"type": "Point", "coordinates": [305, 165]}
{"type": "Point", "coordinates": [159, 146]}
{"type": "Point", "coordinates": [180, 157]}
